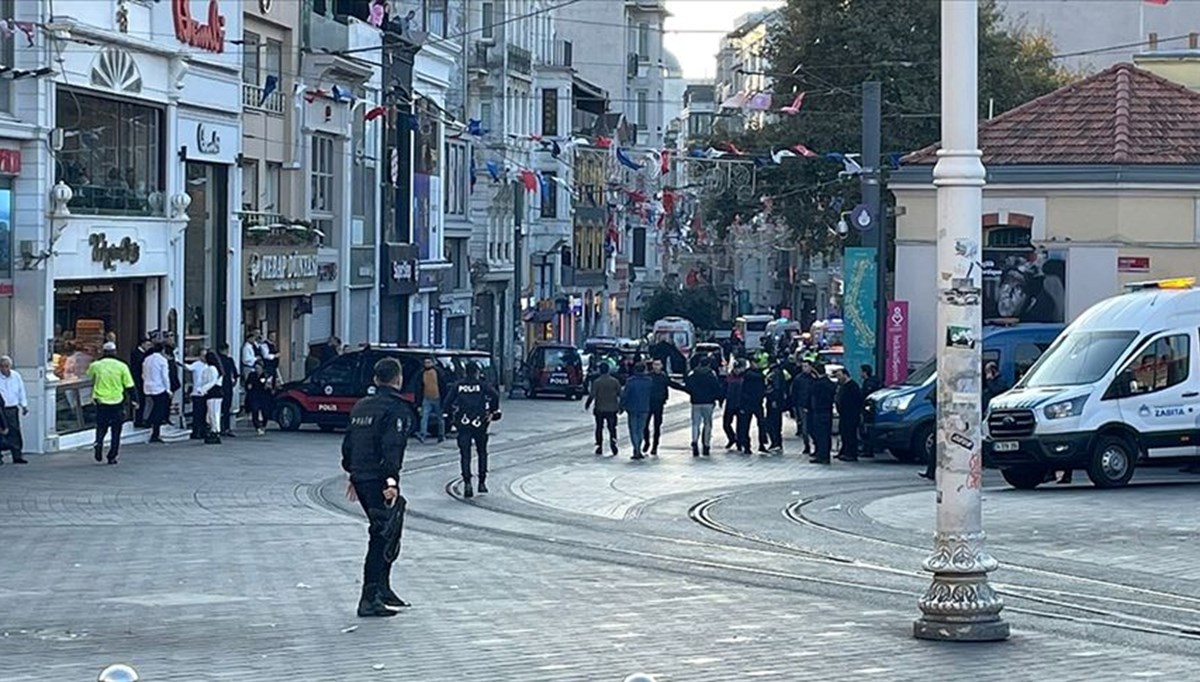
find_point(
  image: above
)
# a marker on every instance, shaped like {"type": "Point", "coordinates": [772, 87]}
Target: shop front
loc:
{"type": "Point", "coordinates": [278, 291]}
{"type": "Point", "coordinates": [10, 164]}
{"type": "Point", "coordinates": [110, 284]}
{"type": "Point", "coordinates": [401, 276]}
{"type": "Point", "coordinates": [209, 148]}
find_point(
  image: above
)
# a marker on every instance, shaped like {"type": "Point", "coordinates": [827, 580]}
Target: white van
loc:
{"type": "Point", "coordinates": [1120, 388]}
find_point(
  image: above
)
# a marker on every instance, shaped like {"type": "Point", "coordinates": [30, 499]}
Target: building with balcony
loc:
{"type": "Point", "coordinates": [742, 73]}
{"type": "Point", "coordinates": [697, 114]}
{"type": "Point", "coordinates": [635, 79]}
{"type": "Point", "coordinates": [508, 41]}
{"type": "Point", "coordinates": [117, 192]}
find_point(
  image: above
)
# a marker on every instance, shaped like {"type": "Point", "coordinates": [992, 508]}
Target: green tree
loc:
{"type": "Point", "coordinates": [826, 49]}
{"type": "Point", "coordinates": [698, 304]}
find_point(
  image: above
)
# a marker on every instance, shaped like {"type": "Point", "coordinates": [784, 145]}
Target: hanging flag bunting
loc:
{"type": "Point", "coordinates": [779, 155]}
{"type": "Point", "coordinates": [545, 185]}
{"type": "Point", "coordinates": [342, 94]}
{"type": "Point", "coordinates": [760, 101]}
{"type": "Point", "coordinates": [731, 148]}
{"type": "Point", "coordinates": [529, 180]}
{"type": "Point", "coordinates": [493, 170]}
{"type": "Point", "coordinates": [25, 27]}
{"type": "Point", "coordinates": [850, 166]}
{"type": "Point", "coordinates": [312, 95]}
{"type": "Point", "coordinates": [894, 159]}
{"type": "Point", "coordinates": [697, 153]}
{"type": "Point", "coordinates": [410, 122]}
{"type": "Point", "coordinates": [794, 108]}
{"type": "Point", "coordinates": [270, 85]}
{"type": "Point", "coordinates": [475, 127]}
{"type": "Point", "coordinates": [804, 151]}
{"type": "Point", "coordinates": [604, 142]}
{"type": "Point", "coordinates": [735, 102]}
{"type": "Point", "coordinates": [664, 161]}
{"type": "Point", "coordinates": [378, 10]}
{"type": "Point", "coordinates": [626, 161]}
{"type": "Point", "coordinates": [374, 113]}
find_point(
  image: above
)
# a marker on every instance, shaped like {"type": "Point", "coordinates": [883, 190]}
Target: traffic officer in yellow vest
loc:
{"type": "Point", "coordinates": [112, 391]}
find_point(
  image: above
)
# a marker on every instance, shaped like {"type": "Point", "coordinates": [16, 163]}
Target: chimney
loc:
{"type": "Point", "coordinates": [1193, 40]}
{"type": "Point", "coordinates": [1153, 42]}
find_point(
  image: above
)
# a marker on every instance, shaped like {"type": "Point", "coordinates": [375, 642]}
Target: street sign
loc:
{"type": "Point", "coordinates": [895, 352]}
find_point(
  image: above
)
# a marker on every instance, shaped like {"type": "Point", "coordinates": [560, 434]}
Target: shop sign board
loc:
{"type": "Point", "coordinates": [276, 271]}
{"type": "Point", "coordinates": [125, 251]}
{"type": "Point", "coordinates": [10, 161]}
{"type": "Point", "coordinates": [208, 141]}
{"type": "Point", "coordinates": [207, 35]}
{"type": "Point", "coordinates": [403, 269]}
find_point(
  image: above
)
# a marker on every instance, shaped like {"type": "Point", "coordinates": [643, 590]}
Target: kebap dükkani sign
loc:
{"type": "Point", "coordinates": [273, 271]}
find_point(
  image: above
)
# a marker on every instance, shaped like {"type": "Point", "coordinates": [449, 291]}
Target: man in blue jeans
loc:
{"type": "Point", "coordinates": [433, 388]}
{"type": "Point", "coordinates": [635, 400]}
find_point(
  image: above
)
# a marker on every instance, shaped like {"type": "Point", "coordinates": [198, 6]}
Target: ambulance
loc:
{"type": "Point", "coordinates": [1118, 390]}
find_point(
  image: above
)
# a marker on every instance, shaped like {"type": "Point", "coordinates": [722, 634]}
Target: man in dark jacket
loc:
{"type": "Point", "coordinates": [605, 393]}
{"type": "Point", "coordinates": [474, 403]}
{"type": "Point", "coordinates": [733, 401]}
{"type": "Point", "coordinates": [660, 384]}
{"type": "Point", "coordinates": [870, 384]}
{"type": "Point", "coordinates": [229, 380]}
{"type": "Point", "coordinates": [635, 401]}
{"type": "Point", "coordinates": [849, 407]}
{"type": "Point", "coordinates": [820, 408]}
{"type": "Point", "coordinates": [704, 389]}
{"type": "Point", "coordinates": [801, 390]}
{"type": "Point", "coordinates": [373, 454]}
{"type": "Point", "coordinates": [754, 389]}
{"type": "Point", "coordinates": [777, 403]}
{"type": "Point", "coordinates": [136, 359]}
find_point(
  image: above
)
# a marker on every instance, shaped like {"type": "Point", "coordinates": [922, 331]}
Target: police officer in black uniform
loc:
{"type": "Point", "coordinates": [475, 403]}
{"type": "Point", "coordinates": [373, 453]}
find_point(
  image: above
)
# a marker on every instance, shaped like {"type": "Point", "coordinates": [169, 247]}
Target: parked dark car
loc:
{"type": "Point", "coordinates": [326, 396]}
{"type": "Point", "coordinates": [555, 369]}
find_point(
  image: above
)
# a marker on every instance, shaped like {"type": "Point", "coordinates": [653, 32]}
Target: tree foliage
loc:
{"type": "Point", "coordinates": [827, 49]}
{"type": "Point", "coordinates": [698, 304]}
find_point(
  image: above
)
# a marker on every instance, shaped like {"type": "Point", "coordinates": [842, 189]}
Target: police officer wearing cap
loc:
{"type": "Point", "coordinates": [475, 403]}
{"type": "Point", "coordinates": [373, 454]}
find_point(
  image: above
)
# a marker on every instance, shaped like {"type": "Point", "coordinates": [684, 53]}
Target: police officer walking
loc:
{"type": "Point", "coordinates": [475, 403]}
{"type": "Point", "coordinates": [373, 454]}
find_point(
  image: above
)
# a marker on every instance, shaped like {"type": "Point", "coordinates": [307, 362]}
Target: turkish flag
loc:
{"type": "Point", "coordinates": [1156, 2]}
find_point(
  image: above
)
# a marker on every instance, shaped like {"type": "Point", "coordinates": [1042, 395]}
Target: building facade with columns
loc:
{"type": "Point", "coordinates": [124, 222]}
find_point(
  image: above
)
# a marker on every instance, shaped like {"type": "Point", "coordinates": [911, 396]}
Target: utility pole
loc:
{"type": "Point", "coordinates": [959, 605]}
{"type": "Point", "coordinates": [518, 266]}
{"type": "Point", "coordinates": [872, 177]}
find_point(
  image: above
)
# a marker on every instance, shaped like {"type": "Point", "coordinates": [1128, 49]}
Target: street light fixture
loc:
{"type": "Point", "coordinates": [959, 605]}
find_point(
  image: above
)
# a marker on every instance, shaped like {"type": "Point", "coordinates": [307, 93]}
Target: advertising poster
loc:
{"type": "Point", "coordinates": [895, 364]}
{"type": "Point", "coordinates": [858, 308]}
{"type": "Point", "coordinates": [6, 254]}
{"type": "Point", "coordinates": [1024, 285]}
{"type": "Point", "coordinates": [421, 215]}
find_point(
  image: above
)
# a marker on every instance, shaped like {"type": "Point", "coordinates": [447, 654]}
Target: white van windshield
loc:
{"type": "Point", "coordinates": [1079, 358]}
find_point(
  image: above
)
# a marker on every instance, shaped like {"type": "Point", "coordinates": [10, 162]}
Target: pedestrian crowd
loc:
{"type": "Point", "coordinates": [757, 393]}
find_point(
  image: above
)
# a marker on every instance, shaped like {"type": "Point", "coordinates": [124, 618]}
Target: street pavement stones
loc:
{"type": "Point", "coordinates": [243, 562]}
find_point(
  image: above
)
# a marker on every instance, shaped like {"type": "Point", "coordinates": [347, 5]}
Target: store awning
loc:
{"type": "Point", "coordinates": [539, 316]}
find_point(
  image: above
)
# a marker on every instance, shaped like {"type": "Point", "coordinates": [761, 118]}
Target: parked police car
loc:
{"type": "Point", "coordinates": [1119, 389]}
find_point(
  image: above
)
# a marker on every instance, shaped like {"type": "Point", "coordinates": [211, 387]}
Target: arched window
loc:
{"type": "Point", "coordinates": [1005, 236]}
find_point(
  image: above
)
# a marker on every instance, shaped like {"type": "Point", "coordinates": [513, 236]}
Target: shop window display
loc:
{"type": "Point", "coordinates": [111, 156]}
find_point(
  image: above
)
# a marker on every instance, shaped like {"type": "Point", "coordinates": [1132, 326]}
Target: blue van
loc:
{"type": "Point", "coordinates": [901, 418]}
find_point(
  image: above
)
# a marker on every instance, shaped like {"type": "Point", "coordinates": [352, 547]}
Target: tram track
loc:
{"type": "Point", "coordinates": [656, 549]}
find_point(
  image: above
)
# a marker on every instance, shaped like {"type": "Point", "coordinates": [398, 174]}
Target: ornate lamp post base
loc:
{"type": "Point", "coordinates": [960, 605]}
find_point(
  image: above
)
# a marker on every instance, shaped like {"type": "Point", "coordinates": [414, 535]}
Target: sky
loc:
{"type": "Point", "coordinates": [695, 27]}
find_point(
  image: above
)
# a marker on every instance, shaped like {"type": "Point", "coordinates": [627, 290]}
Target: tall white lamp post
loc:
{"type": "Point", "coordinates": [959, 605]}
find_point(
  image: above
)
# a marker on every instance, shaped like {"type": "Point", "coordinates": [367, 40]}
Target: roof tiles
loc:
{"type": "Point", "coordinates": [1121, 116]}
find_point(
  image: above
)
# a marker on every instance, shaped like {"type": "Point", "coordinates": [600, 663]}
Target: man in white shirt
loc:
{"type": "Point", "coordinates": [156, 385]}
{"type": "Point", "coordinates": [250, 353]}
{"type": "Point", "coordinates": [14, 404]}
{"type": "Point", "coordinates": [199, 404]}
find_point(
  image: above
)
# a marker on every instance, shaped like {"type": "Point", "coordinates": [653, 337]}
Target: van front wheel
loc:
{"type": "Point", "coordinates": [1112, 462]}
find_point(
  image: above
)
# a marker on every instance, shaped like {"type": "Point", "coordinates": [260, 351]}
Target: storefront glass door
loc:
{"type": "Point", "coordinates": [206, 240]}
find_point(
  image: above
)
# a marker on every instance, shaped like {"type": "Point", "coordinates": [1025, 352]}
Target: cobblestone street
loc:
{"type": "Point", "coordinates": [242, 562]}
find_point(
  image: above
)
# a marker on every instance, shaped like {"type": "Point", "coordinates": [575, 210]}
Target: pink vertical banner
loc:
{"type": "Point", "coordinates": [895, 360]}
